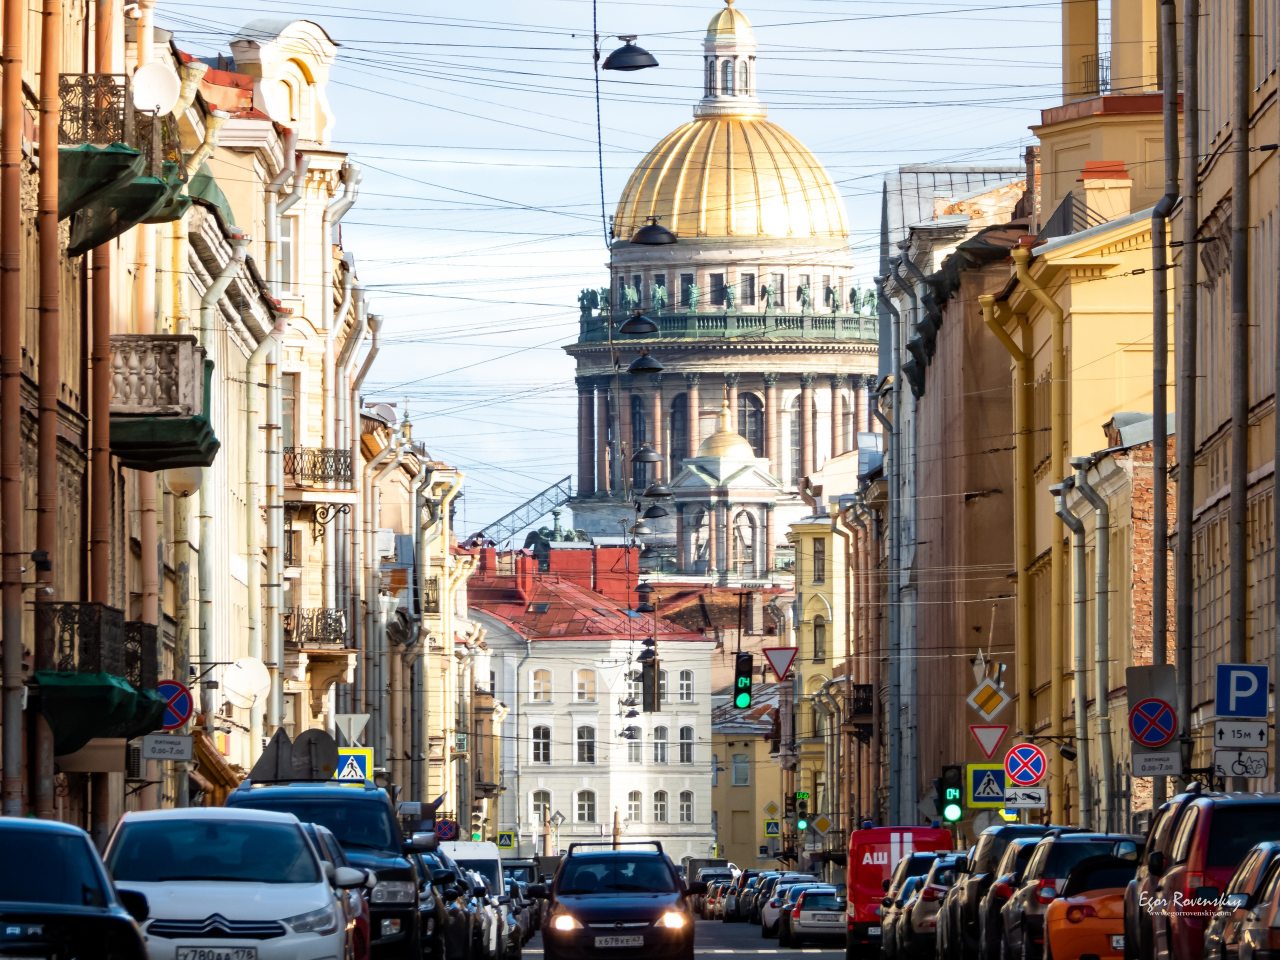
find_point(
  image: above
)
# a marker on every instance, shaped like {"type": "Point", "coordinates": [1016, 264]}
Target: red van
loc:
{"type": "Point", "coordinates": [873, 853]}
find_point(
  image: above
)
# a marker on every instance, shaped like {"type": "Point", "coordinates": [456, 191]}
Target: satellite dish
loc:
{"type": "Point", "coordinates": [246, 681]}
{"type": "Point", "coordinates": [155, 88]}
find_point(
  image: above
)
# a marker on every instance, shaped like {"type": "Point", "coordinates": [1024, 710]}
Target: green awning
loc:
{"type": "Point", "coordinates": [148, 712]}
{"type": "Point", "coordinates": [81, 706]}
{"type": "Point", "coordinates": [204, 186]}
{"type": "Point", "coordinates": [163, 443]}
{"type": "Point", "coordinates": [86, 171]}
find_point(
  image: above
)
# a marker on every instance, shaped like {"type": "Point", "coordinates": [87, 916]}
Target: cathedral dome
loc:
{"type": "Point", "coordinates": [732, 176]}
{"type": "Point", "coordinates": [730, 24]}
{"type": "Point", "coordinates": [726, 443]}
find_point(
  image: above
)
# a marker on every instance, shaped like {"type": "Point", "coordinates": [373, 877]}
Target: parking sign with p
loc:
{"type": "Point", "coordinates": [1242, 690]}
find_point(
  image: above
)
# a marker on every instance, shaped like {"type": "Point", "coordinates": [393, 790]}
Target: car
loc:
{"type": "Point", "coordinates": [770, 902]}
{"type": "Point", "coordinates": [1213, 835]}
{"type": "Point", "coordinates": [948, 940]}
{"type": "Point", "coordinates": [1053, 858]}
{"type": "Point", "coordinates": [1087, 920]}
{"type": "Point", "coordinates": [1222, 935]}
{"type": "Point", "coordinates": [917, 930]}
{"type": "Point", "coordinates": [354, 902]}
{"type": "Point", "coordinates": [774, 914]}
{"type": "Point", "coordinates": [892, 898]}
{"type": "Point", "coordinates": [364, 820]}
{"type": "Point", "coordinates": [1008, 877]}
{"type": "Point", "coordinates": [788, 911]}
{"type": "Point", "coordinates": [518, 928]}
{"type": "Point", "coordinates": [733, 896]}
{"type": "Point", "coordinates": [440, 887]}
{"type": "Point", "coordinates": [874, 853]}
{"type": "Point", "coordinates": [57, 900]}
{"type": "Point", "coordinates": [817, 916]}
{"type": "Point", "coordinates": [488, 930]}
{"type": "Point", "coordinates": [620, 901]}
{"type": "Point", "coordinates": [749, 903]}
{"type": "Point", "coordinates": [204, 871]}
{"type": "Point", "coordinates": [716, 910]}
{"type": "Point", "coordinates": [894, 915]}
{"type": "Point", "coordinates": [1259, 935]}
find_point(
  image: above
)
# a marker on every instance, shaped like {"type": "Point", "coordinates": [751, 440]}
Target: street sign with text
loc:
{"type": "Point", "coordinates": [159, 746]}
{"type": "Point", "coordinates": [1240, 734]}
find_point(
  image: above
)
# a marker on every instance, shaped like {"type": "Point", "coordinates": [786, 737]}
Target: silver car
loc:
{"type": "Point", "coordinates": [819, 914]}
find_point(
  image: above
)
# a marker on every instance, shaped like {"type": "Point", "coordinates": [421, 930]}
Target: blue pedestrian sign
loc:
{"type": "Point", "coordinates": [1242, 690]}
{"type": "Point", "coordinates": [355, 764]}
{"type": "Point", "coordinates": [984, 785]}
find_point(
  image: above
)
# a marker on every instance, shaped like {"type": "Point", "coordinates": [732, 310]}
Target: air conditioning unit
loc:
{"type": "Point", "coordinates": [386, 543]}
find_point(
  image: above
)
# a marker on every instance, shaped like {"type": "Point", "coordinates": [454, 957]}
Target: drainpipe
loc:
{"type": "Point", "coordinates": [358, 699]}
{"type": "Point", "coordinates": [191, 73]}
{"type": "Point", "coordinates": [842, 528]}
{"type": "Point", "coordinates": [347, 424]}
{"type": "Point", "coordinates": [1101, 638]}
{"type": "Point", "coordinates": [372, 702]}
{"type": "Point", "coordinates": [288, 169]}
{"type": "Point", "coordinates": [182, 502]}
{"type": "Point", "coordinates": [1084, 787]}
{"type": "Point", "coordinates": [1057, 467]}
{"type": "Point", "coordinates": [275, 537]}
{"type": "Point", "coordinates": [441, 510]}
{"type": "Point", "coordinates": [377, 622]}
{"type": "Point", "coordinates": [1024, 503]}
{"type": "Point", "coordinates": [212, 127]}
{"type": "Point", "coordinates": [420, 486]}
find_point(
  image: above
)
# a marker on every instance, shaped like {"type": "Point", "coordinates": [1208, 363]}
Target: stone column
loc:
{"type": "Point", "coordinates": [838, 445]}
{"type": "Point", "coordinates": [771, 417]}
{"type": "Point", "coordinates": [586, 438]}
{"type": "Point", "coordinates": [731, 382]}
{"type": "Point", "coordinates": [603, 480]}
{"type": "Point", "coordinates": [713, 539]}
{"type": "Point", "coordinates": [662, 469]}
{"type": "Point", "coordinates": [859, 387]}
{"type": "Point", "coordinates": [728, 539]}
{"type": "Point", "coordinates": [806, 424]}
{"type": "Point", "coordinates": [626, 442]}
{"type": "Point", "coordinates": [695, 411]}
{"type": "Point", "coordinates": [770, 561]}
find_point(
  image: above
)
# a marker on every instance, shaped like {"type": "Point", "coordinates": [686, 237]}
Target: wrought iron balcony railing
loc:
{"type": "Point", "coordinates": [312, 625]}
{"type": "Point", "coordinates": [87, 638]}
{"type": "Point", "coordinates": [141, 654]}
{"type": "Point", "coordinates": [305, 466]}
{"type": "Point", "coordinates": [156, 375]}
{"type": "Point", "coordinates": [97, 108]}
{"type": "Point", "coordinates": [863, 699]}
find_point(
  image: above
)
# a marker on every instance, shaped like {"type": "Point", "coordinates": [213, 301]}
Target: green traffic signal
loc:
{"type": "Point", "coordinates": [742, 675]}
{"type": "Point", "coordinates": [802, 824]}
{"type": "Point", "coordinates": [952, 811]}
{"type": "Point", "coordinates": [951, 793]}
{"type": "Point", "coordinates": [742, 700]}
{"type": "Point", "coordinates": [476, 836]}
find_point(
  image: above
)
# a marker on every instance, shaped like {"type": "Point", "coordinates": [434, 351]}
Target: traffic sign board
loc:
{"type": "Point", "coordinates": [446, 830]}
{"type": "Point", "coordinates": [988, 698]}
{"type": "Point", "coordinates": [988, 736]}
{"type": "Point", "coordinates": [1241, 734]}
{"type": "Point", "coordinates": [1240, 763]}
{"type": "Point", "coordinates": [1241, 690]}
{"type": "Point", "coordinates": [821, 823]}
{"type": "Point", "coordinates": [178, 703]}
{"type": "Point", "coordinates": [772, 828]}
{"type": "Point", "coordinates": [160, 746]}
{"type": "Point", "coordinates": [1157, 763]}
{"type": "Point", "coordinates": [780, 659]}
{"type": "Point", "coordinates": [771, 809]}
{"type": "Point", "coordinates": [506, 840]}
{"type": "Point", "coordinates": [1025, 764]}
{"type": "Point", "coordinates": [1026, 798]}
{"type": "Point", "coordinates": [985, 785]}
{"type": "Point", "coordinates": [355, 764]}
{"type": "Point", "coordinates": [1153, 723]}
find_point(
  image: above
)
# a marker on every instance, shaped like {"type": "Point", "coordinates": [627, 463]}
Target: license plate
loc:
{"type": "Point", "coordinates": [619, 941]}
{"type": "Point", "coordinates": [1117, 941]}
{"type": "Point", "coordinates": [873, 931]}
{"type": "Point", "coordinates": [827, 917]}
{"type": "Point", "coordinates": [216, 953]}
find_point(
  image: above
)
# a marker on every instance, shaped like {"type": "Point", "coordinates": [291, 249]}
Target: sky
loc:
{"type": "Point", "coordinates": [479, 218]}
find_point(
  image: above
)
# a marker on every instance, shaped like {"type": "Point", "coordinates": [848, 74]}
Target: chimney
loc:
{"type": "Point", "coordinates": [1105, 187]}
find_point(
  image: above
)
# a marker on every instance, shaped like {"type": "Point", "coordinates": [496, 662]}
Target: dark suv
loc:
{"type": "Point", "coordinates": [624, 901]}
{"type": "Point", "coordinates": [364, 821]}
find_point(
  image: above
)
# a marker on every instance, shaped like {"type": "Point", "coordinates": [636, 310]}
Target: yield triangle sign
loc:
{"type": "Point", "coordinates": [780, 659]}
{"type": "Point", "coordinates": [988, 736]}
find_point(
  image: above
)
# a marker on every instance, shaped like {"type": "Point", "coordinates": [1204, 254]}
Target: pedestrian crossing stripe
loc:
{"type": "Point", "coordinates": [355, 764]}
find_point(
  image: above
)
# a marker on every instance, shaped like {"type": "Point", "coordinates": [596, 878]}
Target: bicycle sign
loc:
{"type": "Point", "coordinates": [1240, 763]}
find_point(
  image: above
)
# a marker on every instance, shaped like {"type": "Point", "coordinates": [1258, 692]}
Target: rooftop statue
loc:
{"type": "Point", "coordinates": [658, 296]}
{"type": "Point", "coordinates": [630, 298]}
{"type": "Point", "coordinates": [730, 296]}
{"type": "Point", "coordinates": [869, 305]}
{"type": "Point", "coordinates": [694, 293]}
{"type": "Point", "coordinates": [588, 300]}
{"type": "Point", "coordinates": [833, 298]}
{"type": "Point", "coordinates": [770, 295]}
{"type": "Point", "coordinates": [805, 297]}
{"type": "Point", "coordinates": [604, 301]}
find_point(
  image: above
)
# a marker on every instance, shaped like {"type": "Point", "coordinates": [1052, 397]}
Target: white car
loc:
{"type": "Point", "coordinates": [231, 884]}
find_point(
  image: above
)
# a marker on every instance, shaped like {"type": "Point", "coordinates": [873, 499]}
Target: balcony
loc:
{"type": "Point", "coordinates": [160, 387]}
{"type": "Point", "coordinates": [724, 324]}
{"type": "Point", "coordinates": [318, 467]}
{"type": "Point", "coordinates": [862, 700]}
{"type": "Point", "coordinates": [118, 166]}
{"type": "Point", "coordinates": [317, 627]}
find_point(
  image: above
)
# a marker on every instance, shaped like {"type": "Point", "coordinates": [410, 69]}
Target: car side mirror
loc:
{"type": "Point", "coordinates": [444, 878]}
{"type": "Point", "coordinates": [887, 902]}
{"type": "Point", "coordinates": [348, 878]}
{"type": "Point", "coordinates": [962, 865]}
{"type": "Point", "coordinates": [327, 867]}
{"type": "Point", "coordinates": [1156, 862]}
{"type": "Point", "coordinates": [370, 879]}
{"type": "Point", "coordinates": [136, 903]}
{"type": "Point", "coordinates": [885, 886]}
{"type": "Point", "coordinates": [1237, 900]}
{"type": "Point", "coordinates": [422, 843]}
{"type": "Point", "coordinates": [479, 890]}
{"type": "Point", "coordinates": [450, 894]}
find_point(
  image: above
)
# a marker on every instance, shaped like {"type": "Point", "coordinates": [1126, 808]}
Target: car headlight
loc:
{"type": "Point", "coordinates": [672, 920]}
{"type": "Point", "coordinates": [323, 921]}
{"type": "Point", "coordinates": [394, 891]}
{"type": "Point", "coordinates": [566, 922]}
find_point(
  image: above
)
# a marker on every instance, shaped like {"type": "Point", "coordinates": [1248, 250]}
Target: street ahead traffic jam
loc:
{"type": "Point", "coordinates": [331, 871]}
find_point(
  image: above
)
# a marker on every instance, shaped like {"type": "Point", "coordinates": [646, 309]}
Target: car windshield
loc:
{"type": "Point", "coordinates": [821, 901]}
{"type": "Point", "coordinates": [522, 871]}
{"type": "Point", "coordinates": [1237, 828]}
{"type": "Point", "coordinates": [239, 851]}
{"type": "Point", "coordinates": [62, 871]}
{"type": "Point", "coordinates": [363, 826]}
{"type": "Point", "coordinates": [489, 869]}
{"type": "Point", "coordinates": [615, 874]}
{"type": "Point", "coordinates": [1065, 855]}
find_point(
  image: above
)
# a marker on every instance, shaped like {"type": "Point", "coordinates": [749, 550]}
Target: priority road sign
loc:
{"type": "Point", "coordinates": [1025, 764]}
{"type": "Point", "coordinates": [1240, 734]}
{"type": "Point", "coordinates": [772, 828]}
{"type": "Point", "coordinates": [988, 699]}
{"type": "Point", "coordinates": [1152, 723]}
{"type": "Point", "coordinates": [771, 809]}
{"type": "Point", "coordinates": [355, 764]}
{"type": "Point", "coordinates": [780, 659]}
{"type": "Point", "coordinates": [178, 703]}
{"type": "Point", "coordinates": [1241, 690]}
{"type": "Point", "coordinates": [821, 823]}
{"type": "Point", "coordinates": [985, 785]}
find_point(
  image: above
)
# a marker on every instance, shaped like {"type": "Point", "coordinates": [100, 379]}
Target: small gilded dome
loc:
{"type": "Point", "coordinates": [732, 176]}
{"type": "Point", "coordinates": [730, 24]}
{"type": "Point", "coordinates": [726, 442]}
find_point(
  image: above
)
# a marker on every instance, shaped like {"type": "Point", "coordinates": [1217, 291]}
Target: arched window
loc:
{"type": "Point", "coordinates": [751, 421]}
{"type": "Point", "coordinates": [639, 434]}
{"type": "Point", "coordinates": [679, 431]}
{"type": "Point", "coordinates": [726, 78]}
{"type": "Point", "coordinates": [584, 686]}
{"type": "Point", "coordinates": [541, 744]}
{"type": "Point", "coordinates": [635, 749]}
{"type": "Point", "coordinates": [686, 806]}
{"type": "Point", "coordinates": [586, 807]}
{"type": "Point", "coordinates": [540, 686]}
{"type": "Point", "coordinates": [660, 807]}
{"type": "Point", "coordinates": [686, 686]}
{"type": "Point", "coordinates": [586, 744]}
{"type": "Point", "coordinates": [711, 78]}
{"type": "Point", "coordinates": [540, 801]}
{"type": "Point", "coordinates": [686, 744]}
{"type": "Point", "coordinates": [659, 744]}
{"type": "Point", "coordinates": [744, 87]}
{"type": "Point", "coordinates": [819, 638]}
{"type": "Point", "coordinates": [635, 800]}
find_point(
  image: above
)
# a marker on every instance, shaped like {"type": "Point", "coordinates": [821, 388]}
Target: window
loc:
{"type": "Point", "coordinates": [715, 770]}
{"type": "Point", "coordinates": [727, 77]}
{"type": "Point", "coordinates": [584, 686]}
{"type": "Point", "coordinates": [686, 686]}
{"type": "Point", "coordinates": [686, 286]}
{"type": "Point", "coordinates": [796, 466]}
{"type": "Point", "coordinates": [541, 803]}
{"type": "Point", "coordinates": [686, 744]}
{"type": "Point", "coordinates": [635, 749]}
{"type": "Point", "coordinates": [747, 294]}
{"type": "Point", "coordinates": [635, 799]}
{"type": "Point", "coordinates": [711, 78]}
{"type": "Point", "coordinates": [779, 290]}
{"type": "Point", "coordinates": [635, 685]}
{"type": "Point", "coordinates": [660, 280]}
{"type": "Point", "coordinates": [540, 686]}
{"type": "Point", "coordinates": [659, 744]}
{"type": "Point", "coordinates": [686, 806]}
{"type": "Point", "coordinates": [819, 638]}
{"type": "Point", "coordinates": [819, 561]}
{"type": "Point", "coordinates": [679, 428]}
{"type": "Point", "coordinates": [751, 421]}
{"type": "Point", "coordinates": [660, 807]}
{"type": "Point", "coordinates": [586, 744]}
{"type": "Point", "coordinates": [289, 411]}
{"type": "Point", "coordinates": [662, 686]}
{"type": "Point", "coordinates": [585, 807]}
{"type": "Point", "coordinates": [541, 744]}
{"type": "Point", "coordinates": [286, 255]}
{"type": "Point", "coordinates": [717, 289]}
{"type": "Point", "coordinates": [741, 770]}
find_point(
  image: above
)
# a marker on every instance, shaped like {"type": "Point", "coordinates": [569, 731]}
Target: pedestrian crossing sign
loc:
{"type": "Point", "coordinates": [772, 828]}
{"type": "Point", "coordinates": [985, 785]}
{"type": "Point", "coordinates": [355, 764]}
{"type": "Point", "coordinates": [506, 840]}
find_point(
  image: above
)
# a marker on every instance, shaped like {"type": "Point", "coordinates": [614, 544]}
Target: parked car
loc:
{"type": "Point", "coordinates": [892, 900]}
{"type": "Point", "coordinates": [874, 854]}
{"type": "Point", "coordinates": [947, 940]}
{"type": "Point", "coordinates": [817, 916]}
{"type": "Point", "coordinates": [749, 905]}
{"type": "Point", "coordinates": [56, 899]}
{"type": "Point", "coordinates": [355, 902]}
{"type": "Point", "coordinates": [203, 870]}
{"type": "Point", "coordinates": [783, 899]}
{"type": "Point", "coordinates": [519, 928]}
{"type": "Point", "coordinates": [1139, 937]}
{"type": "Point", "coordinates": [732, 911]}
{"type": "Point", "coordinates": [1008, 877]}
{"type": "Point", "coordinates": [711, 899]}
{"type": "Point", "coordinates": [1054, 857]}
{"type": "Point", "coordinates": [894, 916]}
{"type": "Point", "coordinates": [1214, 833]}
{"type": "Point", "coordinates": [1088, 918]}
{"type": "Point", "coordinates": [917, 930]}
{"type": "Point", "coordinates": [788, 906]}
{"type": "Point", "coordinates": [1259, 935]}
{"type": "Point", "coordinates": [1241, 895]}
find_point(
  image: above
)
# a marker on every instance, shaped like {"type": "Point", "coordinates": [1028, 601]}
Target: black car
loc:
{"type": "Point", "coordinates": [364, 821]}
{"type": "Point", "coordinates": [63, 904]}
{"type": "Point", "coordinates": [621, 902]}
{"type": "Point", "coordinates": [1008, 877]}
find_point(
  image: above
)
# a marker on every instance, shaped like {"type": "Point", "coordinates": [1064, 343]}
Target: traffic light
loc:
{"type": "Point", "coordinates": [477, 823]}
{"type": "Point", "coordinates": [951, 793]}
{"type": "Point", "coordinates": [802, 814]}
{"type": "Point", "coordinates": [744, 667]}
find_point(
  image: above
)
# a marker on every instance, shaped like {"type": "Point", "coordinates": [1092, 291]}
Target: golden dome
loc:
{"type": "Point", "coordinates": [730, 24]}
{"type": "Point", "coordinates": [726, 442]}
{"type": "Point", "coordinates": [732, 176]}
